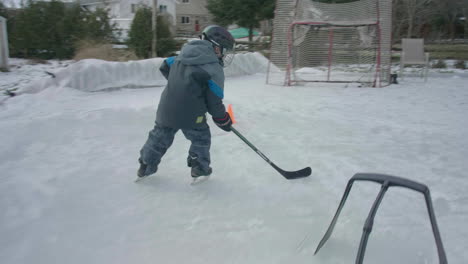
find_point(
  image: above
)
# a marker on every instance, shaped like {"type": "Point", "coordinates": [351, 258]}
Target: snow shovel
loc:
{"type": "Point", "coordinates": [386, 181]}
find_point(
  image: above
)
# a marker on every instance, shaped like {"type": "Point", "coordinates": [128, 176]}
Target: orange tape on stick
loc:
{"type": "Point", "coordinates": [231, 113]}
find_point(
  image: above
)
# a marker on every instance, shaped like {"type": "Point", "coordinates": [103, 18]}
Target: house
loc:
{"type": "Point", "coordinates": [192, 17]}
{"type": "Point", "coordinates": [122, 12]}
{"type": "Point", "coordinates": [186, 17]}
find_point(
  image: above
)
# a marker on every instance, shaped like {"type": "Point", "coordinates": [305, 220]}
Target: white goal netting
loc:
{"type": "Point", "coordinates": [314, 41]}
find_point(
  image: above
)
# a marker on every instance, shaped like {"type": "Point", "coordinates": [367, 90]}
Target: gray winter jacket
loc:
{"type": "Point", "coordinates": [195, 86]}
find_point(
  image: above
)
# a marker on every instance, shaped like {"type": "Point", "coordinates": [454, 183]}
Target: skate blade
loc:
{"type": "Point", "coordinates": [141, 178]}
{"type": "Point", "coordinates": [198, 180]}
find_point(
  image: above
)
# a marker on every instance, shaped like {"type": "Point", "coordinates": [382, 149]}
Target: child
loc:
{"type": "Point", "coordinates": [195, 86]}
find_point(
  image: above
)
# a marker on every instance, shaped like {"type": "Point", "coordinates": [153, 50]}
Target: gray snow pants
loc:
{"type": "Point", "coordinates": [161, 138]}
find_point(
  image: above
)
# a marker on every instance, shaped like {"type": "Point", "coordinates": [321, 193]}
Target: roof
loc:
{"type": "Point", "coordinates": [93, 2]}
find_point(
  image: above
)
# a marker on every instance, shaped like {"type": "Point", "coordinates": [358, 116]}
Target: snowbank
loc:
{"type": "Point", "coordinates": [97, 75]}
{"type": "Point", "coordinates": [246, 64]}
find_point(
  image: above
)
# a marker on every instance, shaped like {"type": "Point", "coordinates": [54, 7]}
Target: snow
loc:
{"type": "Point", "coordinates": [70, 146]}
{"type": "Point", "coordinates": [23, 72]}
{"type": "Point", "coordinates": [93, 75]}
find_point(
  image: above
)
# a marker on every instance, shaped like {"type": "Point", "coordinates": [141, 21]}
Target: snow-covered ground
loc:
{"type": "Point", "coordinates": [69, 157]}
{"type": "Point", "coordinates": [24, 72]}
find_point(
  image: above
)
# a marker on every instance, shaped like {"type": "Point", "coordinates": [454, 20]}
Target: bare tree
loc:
{"type": "Point", "coordinates": [447, 12]}
{"type": "Point", "coordinates": [417, 12]}
{"type": "Point", "coordinates": [465, 17]}
{"type": "Point", "coordinates": [462, 7]}
{"type": "Point", "coordinates": [451, 11]}
{"type": "Point", "coordinates": [398, 20]}
{"type": "Point", "coordinates": [154, 28]}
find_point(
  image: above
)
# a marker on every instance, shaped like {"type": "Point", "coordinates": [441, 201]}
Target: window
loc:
{"type": "Point", "coordinates": [185, 1]}
{"type": "Point", "coordinates": [162, 8]}
{"type": "Point", "coordinates": [185, 20]}
{"type": "Point", "coordinates": [134, 8]}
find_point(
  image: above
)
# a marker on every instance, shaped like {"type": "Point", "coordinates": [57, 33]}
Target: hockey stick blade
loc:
{"type": "Point", "coordinates": [291, 175]}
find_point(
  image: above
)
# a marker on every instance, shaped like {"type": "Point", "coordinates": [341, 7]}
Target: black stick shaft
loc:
{"type": "Point", "coordinates": [251, 145]}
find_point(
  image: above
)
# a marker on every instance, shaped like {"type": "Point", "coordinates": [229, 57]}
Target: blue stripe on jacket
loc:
{"type": "Point", "coordinates": [216, 89]}
{"type": "Point", "coordinates": [170, 61]}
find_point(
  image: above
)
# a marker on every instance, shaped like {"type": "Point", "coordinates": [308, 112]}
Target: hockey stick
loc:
{"type": "Point", "coordinates": [290, 175]}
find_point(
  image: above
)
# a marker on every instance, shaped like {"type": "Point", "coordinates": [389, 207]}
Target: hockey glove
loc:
{"type": "Point", "coordinates": [224, 123]}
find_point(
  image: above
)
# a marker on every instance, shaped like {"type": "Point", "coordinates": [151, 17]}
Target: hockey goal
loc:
{"type": "Point", "coordinates": [318, 41]}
